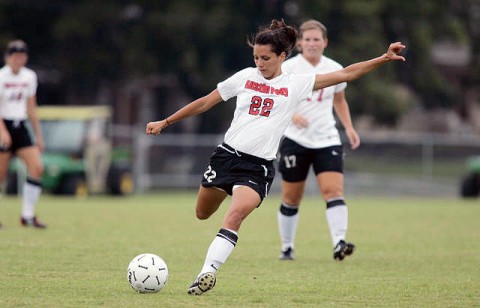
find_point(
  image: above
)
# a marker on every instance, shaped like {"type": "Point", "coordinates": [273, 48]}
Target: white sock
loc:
{"type": "Point", "coordinates": [31, 193]}
{"type": "Point", "coordinates": [287, 225]}
{"type": "Point", "coordinates": [219, 250]}
{"type": "Point", "coordinates": [337, 218]}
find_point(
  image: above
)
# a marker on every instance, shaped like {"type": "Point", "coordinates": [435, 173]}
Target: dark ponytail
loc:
{"type": "Point", "coordinates": [278, 34]}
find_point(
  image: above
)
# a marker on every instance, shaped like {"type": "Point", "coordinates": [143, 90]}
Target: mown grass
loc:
{"type": "Point", "coordinates": [412, 252]}
{"type": "Point", "coordinates": [454, 169]}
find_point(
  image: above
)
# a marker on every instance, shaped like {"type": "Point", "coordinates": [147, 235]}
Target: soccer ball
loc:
{"type": "Point", "coordinates": [147, 273]}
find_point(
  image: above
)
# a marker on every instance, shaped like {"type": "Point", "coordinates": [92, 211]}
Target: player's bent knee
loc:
{"type": "Point", "coordinates": [202, 215]}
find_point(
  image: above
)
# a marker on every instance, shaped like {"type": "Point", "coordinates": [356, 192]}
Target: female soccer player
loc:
{"type": "Point", "coordinates": [242, 166]}
{"type": "Point", "coordinates": [312, 139]}
{"type": "Point", "coordinates": [18, 86]}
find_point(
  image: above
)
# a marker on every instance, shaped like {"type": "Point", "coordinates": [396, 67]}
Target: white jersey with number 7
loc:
{"type": "Point", "coordinates": [317, 108]}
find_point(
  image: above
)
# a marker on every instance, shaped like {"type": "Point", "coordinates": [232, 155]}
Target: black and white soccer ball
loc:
{"type": "Point", "coordinates": [147, 273]}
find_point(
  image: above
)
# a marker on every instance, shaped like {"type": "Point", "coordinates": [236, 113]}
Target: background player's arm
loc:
{"type": "Point", "coordinates": [32, 112]}
{"type": "Point", "coordinates": [343, 112]}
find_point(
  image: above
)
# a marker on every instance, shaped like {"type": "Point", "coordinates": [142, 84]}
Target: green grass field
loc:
{"type": "Point", "coordinates": [411, 252]}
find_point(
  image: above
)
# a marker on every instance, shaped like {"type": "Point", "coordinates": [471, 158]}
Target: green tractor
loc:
{"type": "Point", "coordinates": [79, 158]}
{"type": "Point", "coordinates": [470, 185]}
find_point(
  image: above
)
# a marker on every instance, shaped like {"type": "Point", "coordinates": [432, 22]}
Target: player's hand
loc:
{"type": "Point", "coordinates": [154, 128]}
{"type": "Point", "coordinates": [353, 138]}
{"type": "Point", "coordinates": [300, 121]}
{"type": "Point", "coordinates": [5, 140]}
{"type": "Point", "coordinates": [393, 50]}
{"type": "Point", "coordinates": [40, 143]}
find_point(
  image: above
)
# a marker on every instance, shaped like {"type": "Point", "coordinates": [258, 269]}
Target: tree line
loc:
{"type": "Point", "coordinates": [89, 51]}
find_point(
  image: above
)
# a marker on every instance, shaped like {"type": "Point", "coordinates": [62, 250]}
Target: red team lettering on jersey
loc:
{"type": "Point", "coordinates": [261, 106]}
{"type": "Point", "coordinates": [15, 90]}
{"type": "Point", "coordinates": [263, 88]}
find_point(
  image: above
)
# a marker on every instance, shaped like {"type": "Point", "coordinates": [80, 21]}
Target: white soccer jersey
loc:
{"type": "Point", "coordinates": [317, 108]}
{"type": "Point", "coordinates": [264, 108]}
{"type": "Point", "coordinates": [15, 90]}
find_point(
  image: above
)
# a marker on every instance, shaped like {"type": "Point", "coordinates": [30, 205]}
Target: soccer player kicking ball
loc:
{"type": "Point", "coordinates": [242, 166]}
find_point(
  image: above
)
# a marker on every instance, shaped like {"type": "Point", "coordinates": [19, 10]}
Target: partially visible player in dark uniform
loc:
{"type": "Point", "coordinates": [18, 104]}
{"type": "Point", "coordinates": [242, 166]}
{"type": "Point", "coordinates": [312, 141]}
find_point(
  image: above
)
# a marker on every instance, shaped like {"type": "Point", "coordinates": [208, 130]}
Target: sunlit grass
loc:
{"type": "Point", "coordinates": [411, 252]}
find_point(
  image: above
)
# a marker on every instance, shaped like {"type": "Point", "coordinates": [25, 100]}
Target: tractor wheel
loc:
{"type": "Point", "coordinates": [120, 181]}
{"type": "Point", "coordinates": [470, 187]}
{"type": "Point", "coordinates": [74, 185]}
{"type": "Point", "coordinates": [12, 184]}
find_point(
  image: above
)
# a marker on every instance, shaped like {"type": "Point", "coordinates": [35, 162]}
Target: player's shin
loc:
{"type": "Point", "coordinates": [219, 250]}
{"type": "Point", "coordinates": [31, 193]}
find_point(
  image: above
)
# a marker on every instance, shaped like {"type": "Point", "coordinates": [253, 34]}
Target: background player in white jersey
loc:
{"type": "Point", "coordinates": [18, 86]}
{"type": "Point", "coordinates": [313, 140]}
{"type": "Point", "coordinates": [242, 166]}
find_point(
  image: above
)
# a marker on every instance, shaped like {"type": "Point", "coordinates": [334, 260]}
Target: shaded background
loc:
{"type": "Point", "coordinates": [148, 58]}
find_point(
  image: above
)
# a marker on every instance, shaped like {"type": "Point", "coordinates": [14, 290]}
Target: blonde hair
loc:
{"type": "Point", "coordinates": [310, 25]}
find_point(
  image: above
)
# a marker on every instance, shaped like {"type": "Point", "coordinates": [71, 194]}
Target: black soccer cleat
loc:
{"type": "Point", "coordinates": [343, 249]}
{"type": "Point", "coordinates": [32, 222]}
{"type": "Point", "coordinates": [202, 284]}
{"type": "Point", "coordinates": [288, 254]}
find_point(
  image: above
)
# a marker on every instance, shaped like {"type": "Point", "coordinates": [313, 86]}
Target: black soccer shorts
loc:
{"type": "Point", "coordinates": [228, 168]}
{"type": "Point", "coordinates": [295, 160]}
{"type": "Point", "coordinates": [20, 134]}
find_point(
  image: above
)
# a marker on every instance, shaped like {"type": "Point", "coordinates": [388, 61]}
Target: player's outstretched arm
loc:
{"type": "Point", "coordinates": [196, 107]}
{"type": "Point", "coordinates": [359, 69]}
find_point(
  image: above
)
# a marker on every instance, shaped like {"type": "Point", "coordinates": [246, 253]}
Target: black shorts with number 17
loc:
{"type": "Point", "coordinates": [228, 168]}
{"type": "Point", "coordinates": [295, 160]}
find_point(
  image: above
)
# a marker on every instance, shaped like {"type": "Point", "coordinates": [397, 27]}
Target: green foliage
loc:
{"type": "Point", "coordinates": [377, 98]}
{"type": "Point", "coordinates": [411, 252]}
{"type": "Point", "coordinates": [114, 43]}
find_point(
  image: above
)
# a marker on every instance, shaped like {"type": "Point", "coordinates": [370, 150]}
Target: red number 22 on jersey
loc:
{"type": "Point", "coordinates": [261, 106]}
